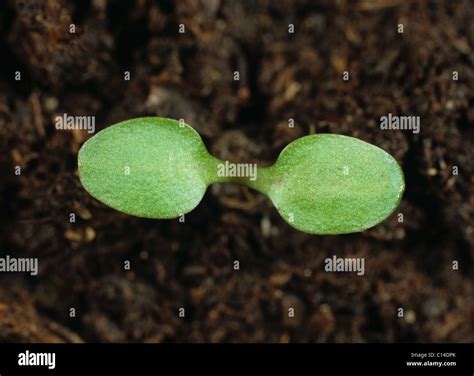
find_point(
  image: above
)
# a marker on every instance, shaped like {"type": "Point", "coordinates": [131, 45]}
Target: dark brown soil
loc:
{"type": "Point", "coordinates": [282, 76]}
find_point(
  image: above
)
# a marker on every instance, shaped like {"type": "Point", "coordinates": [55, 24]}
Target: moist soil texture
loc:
{"type": "Point", "coordinates": [235, 271]}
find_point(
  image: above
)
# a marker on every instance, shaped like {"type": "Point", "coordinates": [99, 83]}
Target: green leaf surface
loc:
{"type": "Point", "coordinates": [320, 184]}
{"type": "Point", "coordinates": [147, 167]}
{"type": "Point", "coordinates": [333, 184]}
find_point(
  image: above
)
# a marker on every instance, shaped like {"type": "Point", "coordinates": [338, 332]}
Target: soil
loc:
{"type": "Point", "coordinates": [83, 291]}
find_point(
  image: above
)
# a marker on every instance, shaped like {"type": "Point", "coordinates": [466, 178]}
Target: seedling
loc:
{"type": "Point", "coordinates": [320, 184]}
